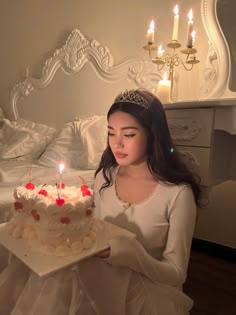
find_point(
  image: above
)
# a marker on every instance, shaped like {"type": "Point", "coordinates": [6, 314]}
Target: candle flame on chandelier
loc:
{"type": "Point", "coordinates": [173, 59]}
{"type": "Point", "coordinates": [176, 10]}
{"type": "Point", "coordinates": [150, 33]}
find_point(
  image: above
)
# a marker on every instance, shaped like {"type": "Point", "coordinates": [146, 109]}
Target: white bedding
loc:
{"type": "Point", "coordinates": [79, 145]}
{"type": "Point", "coordinates": [14, 173]}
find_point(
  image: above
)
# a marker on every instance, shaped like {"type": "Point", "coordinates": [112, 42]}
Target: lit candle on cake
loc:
{"type": "Point", "coordinates": [190, 29]}
{"type": "Point", "coordinates": [164, 87]}
{"type": "Point", "coordinates": [30, 185]}
{"type": "Point", "coordinates": [27, 72]}
{"type": "Point", "coordinates": [150, 33]}
{"type": "Point", "coordinates": [61, 169]}
{"type": "Point", "coordinates": [176, 24]}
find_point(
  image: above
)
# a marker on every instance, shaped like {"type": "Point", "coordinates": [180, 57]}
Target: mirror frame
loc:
{"type": "Point", "coordinates": [217, 69]}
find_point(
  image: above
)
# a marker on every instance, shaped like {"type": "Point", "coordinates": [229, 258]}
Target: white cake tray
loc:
{"type": "Point", "coordinates": [43, 265]}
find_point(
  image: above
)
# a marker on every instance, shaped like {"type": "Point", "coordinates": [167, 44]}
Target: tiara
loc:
{"type": "Point", "coordinates": [131, 96]}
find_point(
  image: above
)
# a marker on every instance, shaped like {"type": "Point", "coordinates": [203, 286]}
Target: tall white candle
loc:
{"type": "Point", "coordinates": [163, 91]}
{"type": "Point", "coordinates": [193, 37]}
{"type": "Point", "coordinates": [176, 23]}
{"type": "Point", "coordinates": [190, 29]}
{"type": "Point", "coordinates": [150, 33]}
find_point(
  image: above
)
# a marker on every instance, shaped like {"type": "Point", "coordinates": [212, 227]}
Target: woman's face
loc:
{"type": "Point", "coordinates": [127, 139]}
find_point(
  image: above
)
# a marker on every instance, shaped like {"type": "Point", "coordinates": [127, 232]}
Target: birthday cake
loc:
{"type": "Point", "coordinates": [56, 220]}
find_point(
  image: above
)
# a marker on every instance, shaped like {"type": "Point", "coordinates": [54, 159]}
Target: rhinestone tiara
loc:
{"type": "Point", "coordinates": [131, 96]}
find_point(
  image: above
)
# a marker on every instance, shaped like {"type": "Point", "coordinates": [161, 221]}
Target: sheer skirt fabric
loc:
{"type": "Point", "coordinates": [91, 287]}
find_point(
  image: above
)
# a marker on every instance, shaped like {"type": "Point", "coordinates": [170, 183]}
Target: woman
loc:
{"type": "Point", "coordinates": [142, 186]}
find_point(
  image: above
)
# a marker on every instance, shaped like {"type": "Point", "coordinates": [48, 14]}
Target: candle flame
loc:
{"type": "Point", "coordinates": [151, 26]}
{"type": "Point", "coordinates": [176, 10]}
{"type": "Point", "coordinates": [165, 76]}
{"type": "Point", "coordinates": [160, 51]}
{"type": "Point", "coordinates": [150, 32]}
{"type": "Point", "coordinates": [61, 167]}
{"type": "Point", "coordinates": [190, 15]}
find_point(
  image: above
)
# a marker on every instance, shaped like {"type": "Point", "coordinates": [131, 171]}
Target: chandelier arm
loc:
{"type": "Point", "coordinates": [161, 67]}
{"type": "Point", "coordinates": [185, 66]}
{"type": "Point", "coordinates": [176, 60]}
{"type": "Point", "coordinates": [150, 54]}
{"type": "Point", "coordinates": [173, 59]}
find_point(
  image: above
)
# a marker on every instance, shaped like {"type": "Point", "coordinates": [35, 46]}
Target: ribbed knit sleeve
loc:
{"type": "Point", "coordinates": [172, 268]}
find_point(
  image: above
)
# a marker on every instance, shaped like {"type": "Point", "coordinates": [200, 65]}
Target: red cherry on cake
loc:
{"type": "Point", "coordinates": [60, 201]}
{"type": "Point", "coordinates": [18, 205]}
{"type": "Point", "coordinates": [84, 187]}
{"type": "Point", "coordinates": [30, 186]}
{"type": "Point", "coordinates": [62, 185]}
{"type": "Point", "coordinates": [65, 220]}
{"type": "Point", "coordinates": [43, 192]}
{"type": "Point", "coordinates": [86, 193]}
{"type": "Point", "coordinates": [85, 190]}
{"type": "Point", "coordinates": [35, 215]}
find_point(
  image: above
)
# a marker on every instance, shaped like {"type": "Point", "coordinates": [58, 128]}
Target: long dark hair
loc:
{"type": "Point", "coordinates": [163, 159]}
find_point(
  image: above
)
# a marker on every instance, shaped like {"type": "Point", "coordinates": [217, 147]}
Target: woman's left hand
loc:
{"type": "Point", "coordinates": [104, 254]}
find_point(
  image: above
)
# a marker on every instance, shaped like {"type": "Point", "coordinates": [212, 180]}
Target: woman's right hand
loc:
{"type": "Point", "coordinates": [104, 254]}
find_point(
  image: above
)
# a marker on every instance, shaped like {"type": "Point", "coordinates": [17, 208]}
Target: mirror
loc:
{"type": "Point", "coordinates": [225, 10]}
{"type": "Point", "coordinates": [219, 23]}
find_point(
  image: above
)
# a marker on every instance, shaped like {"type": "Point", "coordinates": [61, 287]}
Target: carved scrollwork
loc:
{"type": "Point", "coordinates": [102, 55]}
{"type": "Point", "coordinates": [74, 54]}
{"type": "Point", "coordinates": [145, 75]}
{"type": "Point", "coordinates": [184, 130]}
{"type": "Point", "coordinates": [190, 159]}
{"type": "Point", "coordinates": [23, 88]}
{"type": "Point", "coordinates": [210, 72]}
{"type": "Point", "coordinates": [74, 49]}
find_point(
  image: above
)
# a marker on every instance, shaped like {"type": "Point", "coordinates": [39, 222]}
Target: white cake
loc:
{"type": "Point", "coordinates": [53, 220]}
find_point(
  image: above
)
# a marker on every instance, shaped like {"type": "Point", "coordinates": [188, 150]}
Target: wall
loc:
{"type": "Point", "coordinates": [31, 30]}
{"type": "Point", "coordinates": [216, 222]}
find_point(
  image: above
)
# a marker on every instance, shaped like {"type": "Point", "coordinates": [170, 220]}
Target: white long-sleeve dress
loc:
{"type": "Point", "coordinates": [143, 275]}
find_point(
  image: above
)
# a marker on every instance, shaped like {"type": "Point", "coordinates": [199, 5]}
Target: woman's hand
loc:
{"type": "Point", "coordinates": [104, 254]}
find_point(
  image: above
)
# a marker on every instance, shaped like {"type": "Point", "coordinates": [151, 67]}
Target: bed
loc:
{"type": "Point", "coordinates": [61, 115]}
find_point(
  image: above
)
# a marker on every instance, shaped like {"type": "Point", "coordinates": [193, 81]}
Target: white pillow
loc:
{"type": "Point", "coordinates": [24, 139]}
{"type": "Point", "coordinates": [64, 147]}
{"type": "Point", "coordinates": [93, 133]}
{"type": "Point", "coordinates": [80, 144]}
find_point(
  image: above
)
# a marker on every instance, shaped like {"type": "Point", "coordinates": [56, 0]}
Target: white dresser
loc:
{"type": "Point", "coordinates": [205, 133]}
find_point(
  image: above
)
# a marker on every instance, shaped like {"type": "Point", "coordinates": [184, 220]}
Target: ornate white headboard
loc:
{"type": "Point", "coordinates": [79, 80]}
